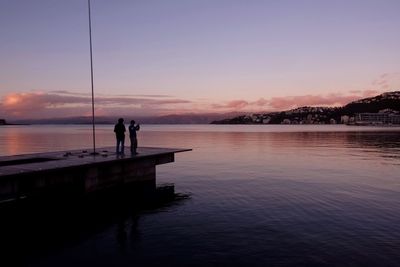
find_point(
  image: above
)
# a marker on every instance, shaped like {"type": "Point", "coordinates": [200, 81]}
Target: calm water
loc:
{"type": "Point", "coordinates": [259, 196]}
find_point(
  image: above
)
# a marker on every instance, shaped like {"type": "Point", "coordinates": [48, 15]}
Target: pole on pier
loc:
{"type": "Point", "coordinates": [91, 78]}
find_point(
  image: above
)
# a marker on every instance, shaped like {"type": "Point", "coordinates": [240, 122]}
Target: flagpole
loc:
{"type": "Point", "coordinates": [91, 79]}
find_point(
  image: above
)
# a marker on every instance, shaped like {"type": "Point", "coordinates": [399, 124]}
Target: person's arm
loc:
{"type": "Point", "coordinates": [138, 127]}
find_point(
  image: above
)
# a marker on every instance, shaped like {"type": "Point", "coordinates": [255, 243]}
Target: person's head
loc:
{"type": "Point", "coordinates": [120, 120]}
{"type": "Point", "coordinates": [133, 122]}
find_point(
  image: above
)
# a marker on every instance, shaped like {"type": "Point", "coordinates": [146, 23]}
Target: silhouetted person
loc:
{"type": "Point", "coordinates": [120, 130]}
{"type": "Point", "coordinates": [133, 136]}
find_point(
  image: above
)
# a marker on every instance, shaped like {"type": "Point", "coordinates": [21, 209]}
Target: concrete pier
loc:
{"type": "Point", "coordinates": [76, 172]}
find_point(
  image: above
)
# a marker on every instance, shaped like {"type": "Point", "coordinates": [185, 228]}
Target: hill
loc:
{"type": "Point", "coordinates": [390, 100]}
{"type": "Point", "coordinates": [321, 115]}
{"type": "Point", "coordinates": [189, 118]}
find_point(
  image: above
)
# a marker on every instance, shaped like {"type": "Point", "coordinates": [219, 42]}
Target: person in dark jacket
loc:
{"type": "Point", "coordinates": [133, 136]}
{"type": "Point", "coordinates": [120, 130]}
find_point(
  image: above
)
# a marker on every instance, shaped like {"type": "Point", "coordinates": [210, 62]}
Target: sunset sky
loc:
{"type": "Point", "coordinates": [166, 57]}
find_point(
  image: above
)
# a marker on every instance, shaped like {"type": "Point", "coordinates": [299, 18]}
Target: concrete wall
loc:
{"type": "Point", "coordinates": [83, 179]}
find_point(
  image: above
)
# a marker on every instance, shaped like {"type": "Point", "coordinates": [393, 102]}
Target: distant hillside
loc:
{"type": "Point", "coordinates": [4, 122]}
{"type": "Point", "coordinates": [190, 118]}
{"type": "Point", "coordinates": [390, 100]}
{"type": "Point", "coordinates": [321, 115]}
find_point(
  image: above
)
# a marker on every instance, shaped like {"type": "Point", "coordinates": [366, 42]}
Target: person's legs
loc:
{"type": "Point", "coordinates": [117, 150]}
{"type": "Point", "coordinates": [122, 145]}
{"type": "Point", "coordinates": [132, 140]}
{"type": "Point", "coordinates": [135, 146]}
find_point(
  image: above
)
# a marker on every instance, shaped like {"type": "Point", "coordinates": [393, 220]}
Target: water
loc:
{"type": "Point", "coordinates": [259, 196]}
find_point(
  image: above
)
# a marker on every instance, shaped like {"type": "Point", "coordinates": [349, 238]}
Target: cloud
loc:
{"type": "Point", "coordinates": [261, 102]}
{"type": "Point", "coordinates": [65, 92]}
{"type": "Point", "coordinates": [290, 102]}
{"type": "Point", "coordinates": [310, 100]}
{"type": "Point", "coordinates": [62, 103]}
{"type": "Point", "coordinates": [370, 93]}
{"type": "Point", "coordinates": [234, 104]}
{"type": "Point", "coordinates": [56, 104]}
{"type": "Point", "coordinates": [386, 81]}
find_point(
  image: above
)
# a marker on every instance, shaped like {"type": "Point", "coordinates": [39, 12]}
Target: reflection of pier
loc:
{"type": "Point", "coordinates": [76, 173]}
{"type": "Point", "coordinates": [31, 230]}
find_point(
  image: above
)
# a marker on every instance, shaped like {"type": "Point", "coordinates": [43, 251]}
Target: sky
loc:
{"type": "Point", "coordinates": [157, 57]}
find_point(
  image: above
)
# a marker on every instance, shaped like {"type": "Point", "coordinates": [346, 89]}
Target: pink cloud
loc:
{"type": "Point", "coordinates": [290, 102]}
{"type": "Point", "coordinates": [261, 102]}
{"type": "Point", "coordinates": [384, 75]}
{"type": "Point", "coordinates": [234, 104]}
{"type": "Point", "coordinates": [369, 93]}
{"type": "Point", "coordinates": [387, 81]}
{"type": "Point", "coordinates": [64, 103]}
{"type": "Point", "coordinates": [310, 100]}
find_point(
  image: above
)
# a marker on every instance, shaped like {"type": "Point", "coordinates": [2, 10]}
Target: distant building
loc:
{"type": "Point", "coordinates": [345, 119]}
{"type": "Point", "coordinates": [377, 118]}
{"type": "Point", "coordinates": [3, 122]}
{"type": "Point", "coordinates": [309, 119]}
{"type": "Point", "coordinates": [266, 120]}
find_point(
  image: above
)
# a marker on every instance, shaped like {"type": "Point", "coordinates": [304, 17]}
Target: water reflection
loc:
{"type": "Point", "coordinates": [29, 139]}
{"type": "Point", "coordinates": [127, 232]}
{"type": "Point", "coordinates": [260, 196]}
{"type": "Point", "coordinates": [36, 229]}
{"type": "Point", "coordinates": [388, 142]}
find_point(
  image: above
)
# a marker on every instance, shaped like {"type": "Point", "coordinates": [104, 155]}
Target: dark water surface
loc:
{"type": "Point", "coordinates": [259, 196]}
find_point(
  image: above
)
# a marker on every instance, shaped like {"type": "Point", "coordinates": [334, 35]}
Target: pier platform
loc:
{"type": "Point", "coordinates": [79, 172]}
